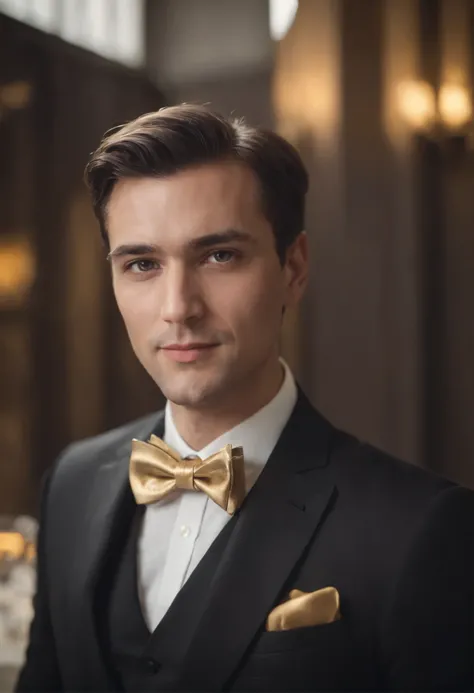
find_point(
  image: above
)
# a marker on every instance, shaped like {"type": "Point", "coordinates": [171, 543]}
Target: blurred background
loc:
{"type": "Point", "coordinates": [377, 96]}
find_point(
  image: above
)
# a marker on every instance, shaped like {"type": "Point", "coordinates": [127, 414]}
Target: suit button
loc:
{"type": "Point", "coordinates": [151, 666]}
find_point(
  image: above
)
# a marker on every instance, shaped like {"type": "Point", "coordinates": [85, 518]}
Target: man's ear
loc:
{"type": "Point", "coordinates": [296, 269]}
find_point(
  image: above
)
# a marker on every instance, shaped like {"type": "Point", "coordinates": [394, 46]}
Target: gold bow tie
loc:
{"type": "Point", "coordinates": [156, 470]}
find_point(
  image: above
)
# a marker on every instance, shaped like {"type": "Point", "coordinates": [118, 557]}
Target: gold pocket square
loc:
{"type": "Point", "coordinates": [305, 609]}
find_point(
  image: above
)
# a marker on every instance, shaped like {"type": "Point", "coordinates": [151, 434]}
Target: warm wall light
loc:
{"type": "Point", "coordinates": [454, 105]}
{"type": "Point", "coordinates": [417, 104]}
{"type": "Point", "coordinates": [439, 116]}
{"type": "Point", "coordinates": [14, 96]}
{"type": "Point", "coordinates": [17, 269]}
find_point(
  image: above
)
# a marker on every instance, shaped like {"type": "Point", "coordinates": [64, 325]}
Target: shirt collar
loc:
{"type": "Point", "coordinates": [258, 434]}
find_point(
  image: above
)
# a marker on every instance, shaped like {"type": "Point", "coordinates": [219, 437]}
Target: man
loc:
{"type": "Point", "coordinates": [240, 542]}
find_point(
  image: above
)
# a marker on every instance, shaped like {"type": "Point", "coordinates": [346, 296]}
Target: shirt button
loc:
{"type": "Point", "coordinates": [185, 531]}
{"type": "Point", "coordinates": [151, 666]}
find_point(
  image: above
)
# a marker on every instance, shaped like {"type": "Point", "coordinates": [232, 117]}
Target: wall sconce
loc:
{"type": "Point", "coordinates": [14, 96]}
{"type": "Point", "coordinates": [454, 107]}
{"type": "Point", "coordinates": [17, 270]}
{"type": "Point", "coordinates": [417, 104]}
{"type": "Point", "coordinates": [441, 116]}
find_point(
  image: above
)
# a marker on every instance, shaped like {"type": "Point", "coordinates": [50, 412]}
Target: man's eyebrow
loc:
{"type": "Point", "coordinates": [132, 249]}
{"type": "Point", "coordinates": [220, 237]}
{"type": "Point", "coordinates": [201, 243]}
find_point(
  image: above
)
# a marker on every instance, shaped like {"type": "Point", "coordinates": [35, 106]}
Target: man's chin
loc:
{"type": "Point", "coordinates": [195, 395]}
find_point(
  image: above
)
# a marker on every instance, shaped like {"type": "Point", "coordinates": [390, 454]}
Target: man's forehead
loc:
{"type": "Point", "coordinates": [206, 180]}
{"type": "Point", "coordinates": [183, 209]}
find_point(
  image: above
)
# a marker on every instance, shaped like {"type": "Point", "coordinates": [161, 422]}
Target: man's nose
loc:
{"type": "Point", "coordinates": [181, 300]}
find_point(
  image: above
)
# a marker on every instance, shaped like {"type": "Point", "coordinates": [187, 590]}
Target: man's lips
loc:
{"type": "Point", "coordinates": [186, 353]}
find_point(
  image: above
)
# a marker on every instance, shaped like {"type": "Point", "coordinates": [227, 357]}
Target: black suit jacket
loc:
{"type": "Point", "coordinates": [328, 510]}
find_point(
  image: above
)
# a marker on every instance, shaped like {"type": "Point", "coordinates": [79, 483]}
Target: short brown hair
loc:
{"type": "Point", "coordinates": [178, 137]}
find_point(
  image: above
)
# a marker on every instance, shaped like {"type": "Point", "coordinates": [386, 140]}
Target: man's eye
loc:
{"type": "Point", "coordinates": [221, 257]}
{"type": "Point", "coordinates": [141, 266]}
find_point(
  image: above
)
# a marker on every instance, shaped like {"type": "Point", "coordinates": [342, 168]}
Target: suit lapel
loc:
{"type": "Point", "coordinates": [109, 509]}
{"type": "Point", "coordinates": [274, 526]}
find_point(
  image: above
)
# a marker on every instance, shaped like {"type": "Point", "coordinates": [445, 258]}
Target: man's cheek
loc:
{"type": "Point", "coordinates": [259, 307]}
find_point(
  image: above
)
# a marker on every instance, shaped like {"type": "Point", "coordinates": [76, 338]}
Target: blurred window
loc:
{"type": "Point", "coordinates": [111, 28]}
{"type": "Point", "coordinates": [282, 14]}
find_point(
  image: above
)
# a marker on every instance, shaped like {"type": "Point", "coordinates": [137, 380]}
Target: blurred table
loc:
{"type": "Point", "coordinates": [17, 586]}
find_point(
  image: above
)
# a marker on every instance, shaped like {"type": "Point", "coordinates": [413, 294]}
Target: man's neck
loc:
{"type": "Point", "coordinates": [199, 427]}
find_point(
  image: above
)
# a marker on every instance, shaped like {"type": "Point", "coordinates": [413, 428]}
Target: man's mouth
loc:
{"type": "Point", "coordinates": [186, 353]}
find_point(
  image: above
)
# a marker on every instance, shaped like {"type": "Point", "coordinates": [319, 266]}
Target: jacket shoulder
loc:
{"type": "Point", "coordinates": [386, 502]}
{"type": "Point", "coordinates": [89, 452]}
{"type": "Point", "coordinates": [372, 474]}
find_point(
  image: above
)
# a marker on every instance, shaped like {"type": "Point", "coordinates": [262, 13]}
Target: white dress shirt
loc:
{"type": "Point", "coordinates": [177, 531]}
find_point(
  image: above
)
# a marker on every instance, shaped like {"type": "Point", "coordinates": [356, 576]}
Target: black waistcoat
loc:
{"type": "Point", "coordinates": [139, 661]}
{"type": "Point", "coordinates": [126, 633]}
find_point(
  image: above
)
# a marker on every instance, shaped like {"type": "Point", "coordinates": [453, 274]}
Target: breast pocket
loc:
{"type": "Point", "coordinates": [298, 638]}
{"type": "Point", "coordinates": [314, 658]}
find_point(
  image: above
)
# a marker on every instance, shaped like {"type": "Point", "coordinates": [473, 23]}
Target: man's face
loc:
{"type": "Point", "coordinates": [198, 281]}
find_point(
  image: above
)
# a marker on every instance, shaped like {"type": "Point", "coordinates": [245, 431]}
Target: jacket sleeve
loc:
{"type": "Point", "coordinates": [427, 636]}
{"type": "Point", "coordinates": [40, 672]}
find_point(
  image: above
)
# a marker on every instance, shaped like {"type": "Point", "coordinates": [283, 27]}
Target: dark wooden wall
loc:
{"type": "Point", "coordinates": [445, 215]}
{"type": "Point", "coordinates": [67, 369]}
{"type": "Point", "coordinates": [386, 332]}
